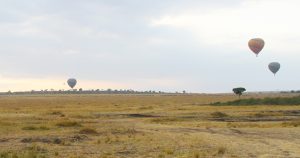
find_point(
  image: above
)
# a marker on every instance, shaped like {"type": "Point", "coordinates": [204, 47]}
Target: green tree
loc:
{"type": "Point", "coordinates": [239, 91]}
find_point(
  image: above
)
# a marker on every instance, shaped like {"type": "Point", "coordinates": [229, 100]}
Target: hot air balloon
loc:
{"type": "Point", "coordinates": [72, 82]}
{"type": "Point", "coordinates": [274, 67]}
{"type": "Point", "coordinates": [256, 45]}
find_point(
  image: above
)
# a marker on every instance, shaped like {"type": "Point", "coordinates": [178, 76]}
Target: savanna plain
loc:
{"type": "Point", "coordinates": [162, 126]}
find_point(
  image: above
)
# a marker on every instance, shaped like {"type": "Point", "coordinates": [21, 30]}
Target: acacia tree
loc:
{"type": "Point", "coordinates": [239, 91]}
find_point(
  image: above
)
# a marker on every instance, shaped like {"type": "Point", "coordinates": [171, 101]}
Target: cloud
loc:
{"type": "Point", "coordinates": [168, 45]}
{"type": "Point", "coordinates": [273, 20]}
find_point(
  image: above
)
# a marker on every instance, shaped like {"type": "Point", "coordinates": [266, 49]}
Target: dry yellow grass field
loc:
{"type": "Point", "coordinates": [160, 126]}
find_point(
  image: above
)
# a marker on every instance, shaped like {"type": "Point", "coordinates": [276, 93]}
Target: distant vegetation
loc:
{"type": "Point", "coordinates": [91, 91]}
{"type": "Point", "coordinates": [263, 101]}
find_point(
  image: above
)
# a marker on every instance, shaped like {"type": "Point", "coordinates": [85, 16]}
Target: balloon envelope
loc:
{"type": "Point", "coordinates": [72, 82]}
{"type": "Point", "coordinates": [256, 45]}
{"type": "Point", "coordinates": [274, 67]}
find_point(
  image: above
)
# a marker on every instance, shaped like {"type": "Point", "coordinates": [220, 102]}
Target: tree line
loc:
{"type": "Point", "coordinates": [90, 91]}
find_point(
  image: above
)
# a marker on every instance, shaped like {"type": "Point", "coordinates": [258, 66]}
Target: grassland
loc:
{"type": "Point", "coordinates": [162, 126]}
{"type": "Point", "coordinates": [263, 101]}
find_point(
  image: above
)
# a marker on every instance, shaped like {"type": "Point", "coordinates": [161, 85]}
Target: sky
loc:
{"type": "Point", "coordinates": [170, 45]}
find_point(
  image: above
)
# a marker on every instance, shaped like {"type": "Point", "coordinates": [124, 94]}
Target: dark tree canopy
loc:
{"type": "Point", "coordinates": [239, 91]}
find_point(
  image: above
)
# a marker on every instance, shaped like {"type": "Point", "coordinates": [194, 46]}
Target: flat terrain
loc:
{"type": "Point", "coordinates": [145, 126]}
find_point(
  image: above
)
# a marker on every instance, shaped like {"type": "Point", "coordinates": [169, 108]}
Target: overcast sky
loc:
{"type": "Point", "coordinates": [169, 45]}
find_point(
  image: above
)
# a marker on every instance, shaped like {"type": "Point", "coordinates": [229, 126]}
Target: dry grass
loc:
{"type": "Point", "coordinates": [88, 131]}
{"type": "Point", "coordinates": [145, 126]}
{"type": "Point", "coordinates": [218, 114]}
{"type": "Point", "coordinates": [68, 124]}
{"type": "Point", "coordinates": [291, 124]}
{"type": "Point", "coordinates": [35, 128]}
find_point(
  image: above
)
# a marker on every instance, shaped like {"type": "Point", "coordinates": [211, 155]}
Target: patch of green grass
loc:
{"type": "Point", "coordinates": [263, 101]}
